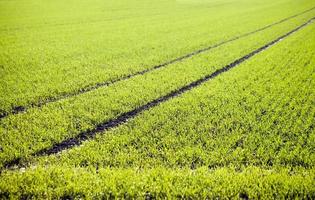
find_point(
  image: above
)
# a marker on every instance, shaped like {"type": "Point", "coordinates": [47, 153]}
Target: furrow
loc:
{"type": "Point", "coordinates": [19, 109]}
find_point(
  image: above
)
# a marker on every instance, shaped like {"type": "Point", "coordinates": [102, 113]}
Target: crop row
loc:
{"type": "Point", "coordinates": [81, 183]}
{"type": "Point", "coordinates": [41, 64]}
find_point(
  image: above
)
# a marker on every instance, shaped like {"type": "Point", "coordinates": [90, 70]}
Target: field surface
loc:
{"type": "Point", "coordinates": [193, 99]}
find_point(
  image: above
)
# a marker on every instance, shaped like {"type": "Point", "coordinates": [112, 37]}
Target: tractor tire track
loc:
{"type": "Point", "coordinates": [19, 109]}
{"type": "Point", "coordinates": [123, 118]}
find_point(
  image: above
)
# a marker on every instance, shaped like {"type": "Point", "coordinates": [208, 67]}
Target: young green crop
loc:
{"type": "Point", "coordinates": [24, 134]}
{"type": "Point", "coordinates": [249, 133]}
{"type": "Point", "coordinates": [261, 113]}
{"type": "Point", "coordinates": [49, 48]}
{"type": "Point", "coordinates": [224, 183]}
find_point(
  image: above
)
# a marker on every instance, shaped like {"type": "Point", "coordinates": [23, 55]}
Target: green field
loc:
{"type": "Point", "coordinates": [149, 99]}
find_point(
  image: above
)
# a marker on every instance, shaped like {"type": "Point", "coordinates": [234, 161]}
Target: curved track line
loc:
{"type": "Point", "coordinates": [123, 118]}
{"type": "Point", "coordinates": [19, 109]}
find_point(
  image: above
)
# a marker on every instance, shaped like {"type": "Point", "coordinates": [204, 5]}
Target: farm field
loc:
{"type": "Point", "coordinates": [154, 99]}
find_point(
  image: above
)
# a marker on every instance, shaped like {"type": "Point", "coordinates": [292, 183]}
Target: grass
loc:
{"type": "Point", "coordinates": [248, 133]}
